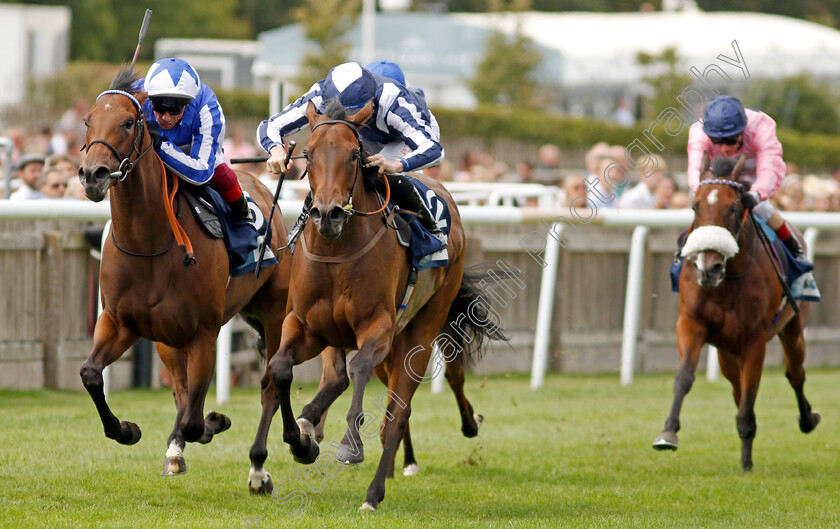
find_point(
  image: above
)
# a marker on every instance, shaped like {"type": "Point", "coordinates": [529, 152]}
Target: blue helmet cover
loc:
{"type": "Point", "coordinates": [351, 84]}
{"type": "Point", "coordinates": [724, 116]}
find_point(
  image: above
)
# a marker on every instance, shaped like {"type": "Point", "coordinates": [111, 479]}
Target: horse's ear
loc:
{"type": "Point", "coordinates": [704, 165]}
{"type": "Point", "coordinates": [141, 97]}
{"type": "Point", "coordinates": [739, 167]}
{"type": "Point", "coordinates": [312, 114]}
{"type": "Point", "coordinates": [362, 115]}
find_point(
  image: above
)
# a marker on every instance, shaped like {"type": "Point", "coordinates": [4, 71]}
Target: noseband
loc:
{"type": "Point", "coordinates": [740, 189]}
{"type": "Point", "coordinates": [349, 211]}
{"type": "Point", "coordinates": [126, 164]}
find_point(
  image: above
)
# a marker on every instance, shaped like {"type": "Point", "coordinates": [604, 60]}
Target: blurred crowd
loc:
{"type": "Point", "coordinates": [46, 162]}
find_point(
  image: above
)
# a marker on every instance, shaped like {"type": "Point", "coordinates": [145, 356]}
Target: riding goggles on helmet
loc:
{"type": "Point", "coordinates": [169, 105]}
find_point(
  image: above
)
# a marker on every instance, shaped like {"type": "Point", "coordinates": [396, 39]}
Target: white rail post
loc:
{"type": "Point", "coordinates": [106, 372]}
{"type": "Point", "coordinates": [712, 364]}
{"type": "Point", "coordinates": [633, 303]}
{"type": "Point", "coordinates": [439, 375]}
{"type": "Point", "coordinates": [810, 236]}
{"type": "Point", "coordinates": [223, 345]}
{"type": "Point", "coordinates": [542, 335]}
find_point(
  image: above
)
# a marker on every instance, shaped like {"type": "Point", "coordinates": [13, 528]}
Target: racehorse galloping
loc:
{"type": "Point", "coordinates": [729, 297]}
{"type": "Point", "coordinates": [347, 282]}
{"type": "Point", "coordinates": [146, 288]}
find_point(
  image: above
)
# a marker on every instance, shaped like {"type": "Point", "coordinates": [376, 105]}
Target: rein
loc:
{"type": "Point", "coordinates": [349, 211]}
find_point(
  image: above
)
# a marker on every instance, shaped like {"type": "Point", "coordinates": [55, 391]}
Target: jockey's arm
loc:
{"type": "Point", "coordinates": [197, 166]}
{"type": "Point", "coordinates": [769, 164]}
{"type": "Point", "coordinates": [288, 121]}
{"type": "Point", "coordinates": [698, 143]}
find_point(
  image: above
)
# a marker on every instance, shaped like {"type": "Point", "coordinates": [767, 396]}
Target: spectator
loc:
{"type": "Point", "coordinates": [680, 200]}
{"type": "Point", "coordinates": [51, 184]}
{"type": "Point", "coordinates": [624, 114]}
{"type": "Point", "coordinates": [75, 190]}
{"type": "Point", "coordinates": [522, 173]}
{"type": "Point", "coordinates": [793, 195]}
{"type": "Point", "coordinates": [641, 196]}
{"type": "Point", "coordinates": [64, 163]}
{"type": "Point", "coordinates": [548, 166]}
{"type": "Point", "coordinates": [573, 188]}
{"type": "Point", "coordinates": [597, 189]}
{"type": "Point", "coordinates": [29, 170]}
{"type": "Point", "coordinates": [663, 192]}
{"type": "Point", "coordinates": [237, 147]}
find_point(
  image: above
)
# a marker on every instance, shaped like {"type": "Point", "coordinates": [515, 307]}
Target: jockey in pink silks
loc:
{"type": "Point", "coordinates": [728, 129]}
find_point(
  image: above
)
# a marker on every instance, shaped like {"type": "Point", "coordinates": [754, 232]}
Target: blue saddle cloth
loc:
{"type": "Point", "coordinates": [242, 239]}
{"type": "Point", "coordinates": [793, 269]}
{"type": "Point", "coordinates": [425, 250]}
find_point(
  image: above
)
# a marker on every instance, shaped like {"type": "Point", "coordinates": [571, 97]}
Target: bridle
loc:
{"type": "Point", "coordinates": [126, 164]}
{"type": "Point", "coordinates": [739, 188]}
{"type": "Point", "coordinates": [349, 211]}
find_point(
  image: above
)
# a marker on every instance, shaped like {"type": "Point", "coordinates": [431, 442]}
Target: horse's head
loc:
{"type": "Point", "coordinates": [115, 132]}
{"type": "Point", "coordinates": [334, 164]}
{"type": "Point", "coordinates": [718, 219]}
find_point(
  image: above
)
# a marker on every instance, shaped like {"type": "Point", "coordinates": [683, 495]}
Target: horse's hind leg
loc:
{"type": "Point", "coordinates": [410, 466]}
{"type": "Point", "coordinates": [793, 342]}
{"type": "Point", "coordinates": [470, 421]}
{"type": "Point", "coordinates": [109, 343]}
{"type": "Point", "coordinates": [690, 339]}
{"type": "Point", "coordinates": [175, 362]}
{"type": "Point", "coordinates": [201, 362]}
{"type": "Point", "coordinates": [752, 362]}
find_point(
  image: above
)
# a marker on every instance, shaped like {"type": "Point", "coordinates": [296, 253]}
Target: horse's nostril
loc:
{"type": "Point", "coordinates": [315, 213]}
{"type": "Point", "coordinates": [336, 214]}
{"type": "Point", "coordinates": [717, 268]}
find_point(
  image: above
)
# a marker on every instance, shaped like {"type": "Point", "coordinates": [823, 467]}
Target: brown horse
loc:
{"type": "Point", "coordinates": [348, 278]}
{"type": "Point", "coordinates": [729, 297]}
{"type": "Point", "coordinates": [148, 291]}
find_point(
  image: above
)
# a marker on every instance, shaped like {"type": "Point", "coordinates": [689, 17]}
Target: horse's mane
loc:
{"type": "Point", "coordinates": [334, 109]}
{"type": "Point", "coordinates": [722, 167]}
{"type": "Point", "coordinates": [125, 80]}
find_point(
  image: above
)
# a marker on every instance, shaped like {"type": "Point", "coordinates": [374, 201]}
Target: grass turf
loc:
{"type": "Point", "coordinates": [574, 454]}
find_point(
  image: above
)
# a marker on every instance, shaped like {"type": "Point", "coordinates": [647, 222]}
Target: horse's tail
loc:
{"type": "Point", "coordinates": [471, 317]}
{"type": "Point", "coordinates": [257, 326]}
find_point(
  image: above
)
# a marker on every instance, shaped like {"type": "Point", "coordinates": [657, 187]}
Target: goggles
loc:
{"type": "Point", "coordinates": [729, 140]}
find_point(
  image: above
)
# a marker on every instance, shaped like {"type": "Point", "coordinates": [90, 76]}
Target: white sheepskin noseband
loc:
{"type": "Point", "coordinates": [714, 238]}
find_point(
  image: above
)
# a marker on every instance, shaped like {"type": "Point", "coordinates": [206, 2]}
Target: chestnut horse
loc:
{"type": "Point", "coordinates": [148, 291]}
{"type": "Point", "coordinates": [730, 297]}
{"type": "Point", "coordinates": [348, 278]}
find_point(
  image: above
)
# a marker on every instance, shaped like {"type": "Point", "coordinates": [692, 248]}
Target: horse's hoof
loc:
{"type": "Point", "coordinates": [479, 418]}
{"type": "Point", "coordinates": [174, 466]}
{"type": "Point", "coordinates": [260, 484]}
{"type": "Point", "coordinates": [219, 421]}
{"type": "Point", "coordinates": [129, 433]}
{"type": "Point", "coordinates": [411, 470]}
{"type": "Point", "coordinates": [306, 427]}
{"type": "Point", "coordinates": [312, 455]}
{"type": "Point", "coordinates": [808, 426]}
{"type": "Point", "coordinates": [665, 441]}
{"type": "Point", "coordinates": [747, 467]}
{"type": "Point", "coordinates": [367, 507]}
{"type": "Point", "coordinates": [344, 454]}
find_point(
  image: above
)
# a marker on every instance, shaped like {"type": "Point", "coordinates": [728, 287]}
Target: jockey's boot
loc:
{"type": "Point", "coordinates": [407, 196]}
{"type": "Point", "coordinates": [239, 209]}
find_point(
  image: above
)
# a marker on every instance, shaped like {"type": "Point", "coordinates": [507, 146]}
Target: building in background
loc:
{"type": "Point", "coordinates": [36, 43]}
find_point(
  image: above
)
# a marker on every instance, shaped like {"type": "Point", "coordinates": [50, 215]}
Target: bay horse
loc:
{"type": "Point", "coordinates": [347, 282]}
{"type": "Point", "coordinates": [730, 297]}
{"type": "Point", "coordinates": [148, 291]}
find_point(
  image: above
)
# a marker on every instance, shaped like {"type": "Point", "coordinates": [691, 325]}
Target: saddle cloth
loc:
{"type": "Point", "coordinates": [426, 251]}
{"type": "Point", "coordinates": [242, 239]}
{"type": "Point", "coordinates": [797, 273]}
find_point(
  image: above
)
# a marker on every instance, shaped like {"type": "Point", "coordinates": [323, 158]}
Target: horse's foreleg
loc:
{"type": "Point", "coordinates": [296, 346]}
{"type": "Point", "coordinates": [752, 362]}
{"type": "Point", "coordinates": [373, 347]}
{"type": "Point", "coordinates": [334, 381]}
{"type": "Point", "coordinates": [793, 343]}
{"type": "Point", "coordinates": [175, 362]}
{"type": "Point", "coordinates": [690, 339]}
{"type": "Point", "coordinates": [109, 343]}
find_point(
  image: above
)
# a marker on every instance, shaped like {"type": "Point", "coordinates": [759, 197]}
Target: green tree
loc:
{"type": "Point", "coordinates": [796, 103]}
{"type": "Point", "coordinates": [325, 22]}
{"type": "Point", "coordinates": [664, 78]}
{"type": "Point", "coordinates": [506, 72]}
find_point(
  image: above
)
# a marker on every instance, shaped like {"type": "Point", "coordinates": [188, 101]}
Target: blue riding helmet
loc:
{"type": "Point", "coordinates": [387, 69]}
{"type": "Point", "coordinates": [351, 84]}
{"type": "Point", "coordinates": [723, 117]}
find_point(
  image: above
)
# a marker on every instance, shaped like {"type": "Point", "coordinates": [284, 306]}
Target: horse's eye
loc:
{"type": "Point", "coordinates": [129, 123]}
{"type": "Point", "coordinates": [86, 123]}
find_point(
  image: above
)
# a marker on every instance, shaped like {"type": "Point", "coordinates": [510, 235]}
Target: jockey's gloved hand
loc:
{"type": "Point", "coordinates": [153, 132]}
{"type": "Point", "coordinates": [750, 199]}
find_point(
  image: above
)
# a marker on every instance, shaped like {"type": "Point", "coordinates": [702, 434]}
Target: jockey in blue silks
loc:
{"type": "Point", "coordinates": [188, 128]}
{"type": "Point", "coordinates": [401, 133]}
